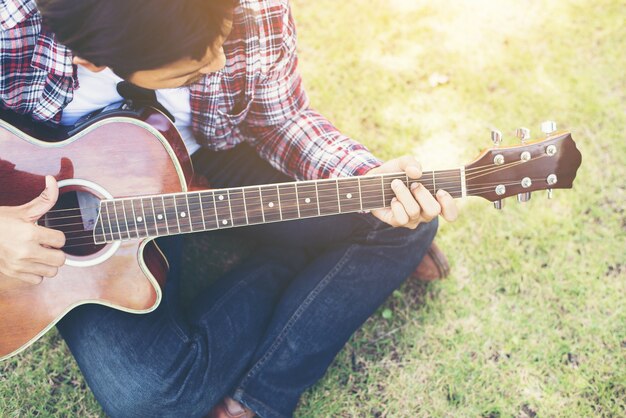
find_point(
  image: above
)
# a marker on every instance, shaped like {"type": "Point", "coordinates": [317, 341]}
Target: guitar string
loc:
{"type": "Point", "coordinates": [192, 225]}
{"type": "Point", "coordinates": [470, 173]}
{"type": "Point", "coordinates": [426, 182]}
{"type": "Point", "coordinates": [367, 200]}
{"type": "Point", "coordinates": [473, 188]}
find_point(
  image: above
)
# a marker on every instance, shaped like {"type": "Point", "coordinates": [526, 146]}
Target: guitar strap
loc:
{"type": "Point", "coordinates": [140, 97]}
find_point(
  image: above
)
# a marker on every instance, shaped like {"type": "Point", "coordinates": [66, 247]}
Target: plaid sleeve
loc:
{"type": "Point", "coordinates": [286, 132]}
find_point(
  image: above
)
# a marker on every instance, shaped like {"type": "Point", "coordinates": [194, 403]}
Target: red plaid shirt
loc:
{"type": "Point", "coordinates": [257, 98]}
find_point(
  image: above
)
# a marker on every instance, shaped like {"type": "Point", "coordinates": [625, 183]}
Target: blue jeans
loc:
{"type": "Point", "coordinates": [265, 331]}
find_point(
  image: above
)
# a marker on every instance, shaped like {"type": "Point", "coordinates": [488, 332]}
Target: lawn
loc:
{"type": "Point", "coordinates": [532, 320]}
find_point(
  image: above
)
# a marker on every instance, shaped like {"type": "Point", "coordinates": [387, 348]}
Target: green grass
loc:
{"type": "Point", "coordinates": [532, 321]}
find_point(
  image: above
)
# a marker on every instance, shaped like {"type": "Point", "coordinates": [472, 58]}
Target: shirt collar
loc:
{"type": "Point", "coordinates": [13, 12]}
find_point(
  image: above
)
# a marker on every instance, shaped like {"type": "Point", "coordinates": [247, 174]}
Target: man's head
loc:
{"type": "Point", "coordinates": [152, 43]}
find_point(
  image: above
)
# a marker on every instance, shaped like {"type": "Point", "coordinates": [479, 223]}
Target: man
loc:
{"type": "Point", "coordinates": [227, 72]}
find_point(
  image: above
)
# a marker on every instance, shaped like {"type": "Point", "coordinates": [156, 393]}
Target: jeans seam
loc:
{"type": "Point", "coordinates": [240, 393]}
{"type": "Point", "coordinates": [297, 315]}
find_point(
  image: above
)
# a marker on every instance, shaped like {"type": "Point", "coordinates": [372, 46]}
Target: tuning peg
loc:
{"type": "Point", "coordinates": [498, 204]}
{"type": "Point", "coordinates": [550, 193]}
{"type": "Point", "coordinates": [523, 197]}
{"type": "Point", "coordinates": [523, 134]}
{"type": "Point", "coordinates": [496, 137]}
{"type": "Point", "coordinates": [548, 127]}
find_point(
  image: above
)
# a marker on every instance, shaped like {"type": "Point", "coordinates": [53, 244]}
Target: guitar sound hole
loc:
{"type": "Point", "coordinates": [75, 214]}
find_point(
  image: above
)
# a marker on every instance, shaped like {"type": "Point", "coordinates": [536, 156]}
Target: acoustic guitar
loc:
{"type": "Point", "coordinates": [124, 178]}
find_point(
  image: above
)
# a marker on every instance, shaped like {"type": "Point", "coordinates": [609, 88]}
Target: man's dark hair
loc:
{"type": "Point", "coordinates": [133, 35]}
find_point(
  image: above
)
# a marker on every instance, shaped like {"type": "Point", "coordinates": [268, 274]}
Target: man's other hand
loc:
{"type": "Point", "coordinates": [414, 205]}
{"type": "Point", "coordinates": [30, 252]}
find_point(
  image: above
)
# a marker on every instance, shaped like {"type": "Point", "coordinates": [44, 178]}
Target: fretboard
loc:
{"type": "Point", "coordinates": [181, 213]}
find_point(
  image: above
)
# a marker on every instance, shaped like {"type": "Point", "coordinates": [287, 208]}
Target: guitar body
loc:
{"type": "Point", "coordinates": [114, 157]}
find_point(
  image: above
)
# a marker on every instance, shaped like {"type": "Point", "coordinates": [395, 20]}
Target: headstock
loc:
{"type": "Point", "coordinates": [545, 164]}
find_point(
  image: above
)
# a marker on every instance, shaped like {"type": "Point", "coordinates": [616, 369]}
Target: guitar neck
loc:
{"type": "Point", "coordinates": [180, 213]}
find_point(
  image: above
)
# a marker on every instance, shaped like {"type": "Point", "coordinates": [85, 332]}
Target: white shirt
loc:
{"type": "Point", "coordinates": [98, 90]}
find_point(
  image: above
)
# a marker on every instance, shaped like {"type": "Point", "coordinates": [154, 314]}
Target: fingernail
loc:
{"type": "Point", "coordinates": [441, 193]}
{"type": "Point", "coordinates": [394, 200]}
{"type": "Point", "coordinates": [414, 186]}
{"type": "Point", "coordinates": [396, 183]}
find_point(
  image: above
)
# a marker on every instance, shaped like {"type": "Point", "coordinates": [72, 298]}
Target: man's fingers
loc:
{"type": "Point", "coordinates": [430, 207]}
{"type": "Point", "coordinates": [449, 211]}
{"type": "Point", "coordinates": [410, 166]}
{"type": "Point", "coordinates": [48, 256]}
{"type": "Point", "coordinates": [50, 237]}
{"type": "Point", "coordinates": [399, 214]}
{"type": "Point", "coordinates": [405, 197]}
{"type": "Point", "coordinates": [37, 207]}
{"type": "Point", "coordinates": [29, 278]}
{"type": "Point", "coordinates": [41, 270]}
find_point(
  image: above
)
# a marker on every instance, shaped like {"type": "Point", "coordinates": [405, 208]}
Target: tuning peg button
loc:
{"type": "Point", "coordinates": [550, 193]}
{"type": "Point", "coordinates": [523, 197]}
{"type": "Point", "coordinates": [523, 134]}
{"type": "Point", "coordinates": [498, 204]}
{"type": "Point", "coordinates": [548, 127]}
{"type": "Point", "coordinates": [496, 137]}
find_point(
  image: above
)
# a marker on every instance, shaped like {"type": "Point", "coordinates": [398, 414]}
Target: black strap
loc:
{"type": "Point", "coordinates": [138, 96]}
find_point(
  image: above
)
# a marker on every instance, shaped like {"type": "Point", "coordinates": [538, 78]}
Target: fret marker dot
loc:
{"type": "Point", "coordinates": [307, 200]}
{"type": "Point", "coordinates": [139, 219]}
{"type": "Point", "coordinates": [159, 217]}
{"type": "Point", "coordinates": [183, 214]}
{"type": "Point", "coordinates": [271, 204]}
{"type": "Point", "coordinates": [221, 197]}
{"type": "Point", "coordinates": [225, 222]}
{"type": "Point", "coordinates": [349, 195]}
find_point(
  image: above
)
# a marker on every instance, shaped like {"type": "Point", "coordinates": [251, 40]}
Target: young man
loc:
{"type": "Point", "coordinates": [226, 71]}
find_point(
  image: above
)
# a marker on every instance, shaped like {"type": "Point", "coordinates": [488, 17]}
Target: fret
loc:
{"type": "Point", "coordinates": [222, 209]}
{"type": "Point", "coordinates": [317, 198]}
{"type": "Point", "coordinates": [288, 201]}
{"type": "Point", "coordinates": [245, 207]}
{"type": "Point", "coordinates": [125, 220]}
{"type": "Point", "coordinates": [360, 197]}
{"type": "Point", "coordinates": [338, 197]}
{"type": "Point", "coordinates": [208, 210]}
{"type": "Point", "coordinates": [230, 208]}
{"type": "Point", "coordinates": [389, 193]}
{"type": "Point", "coordinates": [382, 186]}
{"type": "Point", "coordinates": [349, 195]}
{"type": "Point", "coordinates": [328, 198]}
{"type": "Point", "coordinates": [175, 214]}
{"type": "Point", "coordinates": [254, 206]}
{"type": "Point", "coordinates": [149, 217]}
{"type": "Point", "coordinates": [307, 199]}
{"type": "Point", "coordinates": [141, 216]}
{"type": "Point", "coordinates": [434, 185]}
{"type": "Point", "coordinates": [182, 212]}
{"type": "Point", "coordinates": [237, 206]}
{"type": "Point", "coordinates": [269, 198]}
{"type": "Point", "coordinates": [371, 193]}
{"type": "Point", "coordinates": [163, 207]}
{"type": "Point", "coordinates": [109, 219]}
{"type": "Point", "coordinates": [452, 182]}
{"type": "Point", "coordinates": [159, 216]}
{"type": "Point", "coordinates": [171, 215]}
{"type": "Point", "coordinates": [295, 186]}
{"type": "Point", "coordinates": [190, 212]}
{"type": "Point", "coordinates": [196, 212]}
{"type": "Point", "coordinates": [98, 228]}
{"type": "Point", "coordinates": [104, 217]}
{"type": "Point", "coordinates": [134, 218]}
{"type": "Point", "coordinates": [280, 205]}
{"type": "Point", "coordinates": [117, 220]}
